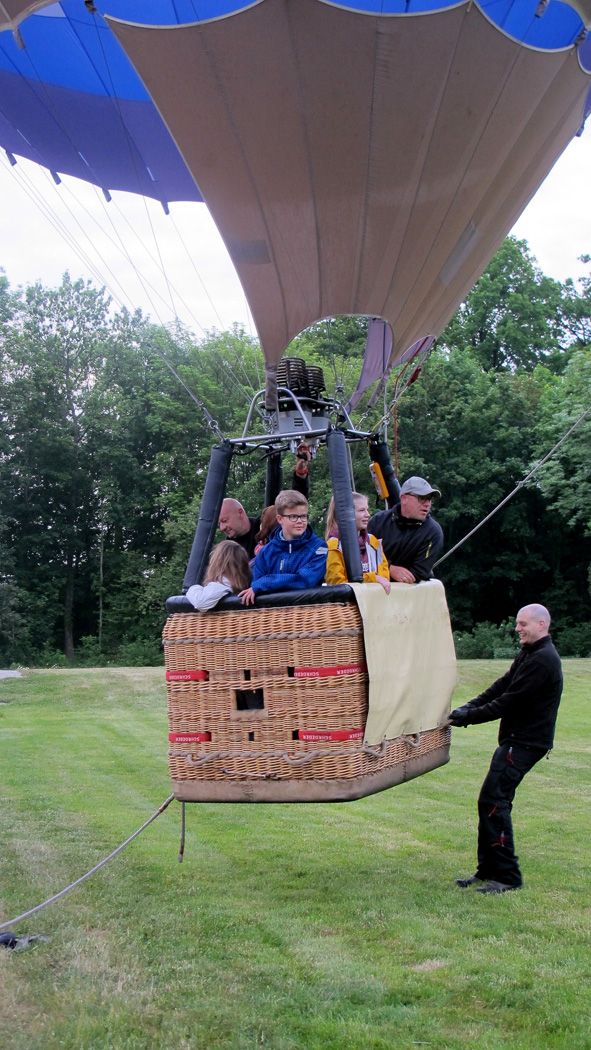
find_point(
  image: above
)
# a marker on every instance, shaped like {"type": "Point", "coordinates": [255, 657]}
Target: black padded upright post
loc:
{"type": "Point", "coordinates": [379, 453]}
{"type": "Point", "coordinates": [274, 479]}
{"type": "Point", "coordinates": [338, 462]}
{"type": "Point", "coordinates": [209, 512]}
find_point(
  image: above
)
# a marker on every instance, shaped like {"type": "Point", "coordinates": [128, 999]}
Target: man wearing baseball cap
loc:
{"type": "Point", "coordinates": [411, 538]}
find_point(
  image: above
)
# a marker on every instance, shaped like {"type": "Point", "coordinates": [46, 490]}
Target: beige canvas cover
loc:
{"type": "Point", "coordinates": [410, 658]}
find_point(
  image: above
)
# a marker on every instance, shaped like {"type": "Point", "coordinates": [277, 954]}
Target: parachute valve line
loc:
{"type": "Point", "coordinates": [518, 486]}
{"type": "Point", "coordinates": [97, 867]}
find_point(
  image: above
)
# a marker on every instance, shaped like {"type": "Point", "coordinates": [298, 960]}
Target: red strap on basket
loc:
{"type": "Point", "coordinates": [329, 672]}
{"type": "Point", "coordinates": [187, 676]}
{"type": "Point", "coordinates": [189, 738]}
{"type": "Point", "coordinates": [311, 735]}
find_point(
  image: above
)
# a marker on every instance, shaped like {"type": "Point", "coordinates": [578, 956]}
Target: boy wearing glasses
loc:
{"type": "Point", "coordinates": [294, 558]}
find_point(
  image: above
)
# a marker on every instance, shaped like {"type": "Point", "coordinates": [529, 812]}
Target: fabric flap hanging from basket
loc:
{"type": "Point", "coordinates": [410, 658]}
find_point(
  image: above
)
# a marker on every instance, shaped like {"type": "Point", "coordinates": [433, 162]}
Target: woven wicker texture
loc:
{"type": "Point", "coordinates": [250, 656]}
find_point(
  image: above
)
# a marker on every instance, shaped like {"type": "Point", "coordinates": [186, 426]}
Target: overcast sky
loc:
{"type": "Point", "coordinates": [178, 264]}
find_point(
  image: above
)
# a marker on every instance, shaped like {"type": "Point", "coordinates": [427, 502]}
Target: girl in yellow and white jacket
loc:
{"type": "Point", "coordinates": [373, 560]}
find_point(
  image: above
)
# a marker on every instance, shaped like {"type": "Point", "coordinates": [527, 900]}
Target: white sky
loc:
{"type": "Point", "coordinates": [107, 242]}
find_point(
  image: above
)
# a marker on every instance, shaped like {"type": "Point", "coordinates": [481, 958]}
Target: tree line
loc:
{"type": "Point", "coordinates": [103, 457]}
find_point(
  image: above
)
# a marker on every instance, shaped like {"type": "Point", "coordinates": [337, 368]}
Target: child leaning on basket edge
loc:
{"type": "Point", "coordinates": [228, 572]}
{"type": "Point", "coordinates": [373, 560]}
{"type": "Point", "coordinates": [294, 558]}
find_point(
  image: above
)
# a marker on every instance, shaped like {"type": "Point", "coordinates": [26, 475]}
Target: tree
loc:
{"type": "Point", "coordinates": [576, 308]}
{"type": "Point", "coordinates": [50, 361]}
{"type": "Point", "coordinates": [512, 318]}
{"type": "Point", "coordinates": [103, 455]}
{"type": "Point", "coordinates": [565, 480]}
{"type": "Point", "coordinates": [474, 435]}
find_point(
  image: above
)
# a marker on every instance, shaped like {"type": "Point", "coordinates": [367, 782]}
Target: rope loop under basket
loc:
{"type": "Point", "coordinates": [291, 760]}
{"type": "Point", "coordinates": [412, 742]}
{"type": "Point", "coordinates": [375, 752]}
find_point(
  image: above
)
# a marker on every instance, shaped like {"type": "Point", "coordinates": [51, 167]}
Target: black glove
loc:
{"type": "Point", "coordinates": [459, 717]}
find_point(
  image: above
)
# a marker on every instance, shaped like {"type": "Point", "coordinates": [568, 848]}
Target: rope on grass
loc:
{"type": "Point", "coordinates": [97, 867]}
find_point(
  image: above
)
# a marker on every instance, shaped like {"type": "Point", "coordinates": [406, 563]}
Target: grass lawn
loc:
{"type": "Point", "coordinates": [287, 927]}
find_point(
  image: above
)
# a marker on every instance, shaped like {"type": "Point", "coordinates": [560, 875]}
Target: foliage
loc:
{"type": "Point", "coordinates": [473, 434]}
{"type": "Point", "coordinates": [103, 454]}
{"type": "Point", "coordinates": [576, 307]}
{"type": "Point", "coordinates": [512, 317]}
{"type": "Point", "coordinates": [575, 640]}
{"type": "Point", "coordinates": [566, 479]}
{"type": "Point", "coordinates": [487, 642]}
{"type": "Point", "coordinates": [293, 927]}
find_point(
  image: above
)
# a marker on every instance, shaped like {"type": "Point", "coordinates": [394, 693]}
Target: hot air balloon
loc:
{"type": "Point", "coordinates": [366, 157]}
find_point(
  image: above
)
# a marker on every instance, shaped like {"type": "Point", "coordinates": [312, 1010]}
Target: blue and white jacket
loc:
{"type": "Point", "coordinates": [290, 565]}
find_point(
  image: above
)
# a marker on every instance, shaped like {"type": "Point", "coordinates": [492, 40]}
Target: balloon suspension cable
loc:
{"type": "Point", "coordinates": [211, 422]}
{"type": "Point", "coordinates": [97, 867]}
{"type": "Point", "coordinates": [519, 486]}
{"type": "Point", "coordinates": [408, 373]}
{"type": "Point", "coordinates": [395, 445]}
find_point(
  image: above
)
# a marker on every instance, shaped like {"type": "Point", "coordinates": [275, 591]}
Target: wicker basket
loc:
{"type": "Point", "coordinates": [270, 704]}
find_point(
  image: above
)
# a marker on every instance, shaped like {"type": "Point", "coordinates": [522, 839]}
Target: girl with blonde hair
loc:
{"type": "Point", "coordinates": [228, 572]}
{"type": "Point", "coordinates": [373, 560]}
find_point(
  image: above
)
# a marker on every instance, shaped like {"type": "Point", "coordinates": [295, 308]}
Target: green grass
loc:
{"type": "Point", "coordinates": [287, 927]}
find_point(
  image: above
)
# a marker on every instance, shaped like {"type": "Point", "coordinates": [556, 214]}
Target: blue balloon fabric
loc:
{"type": "Point", "coordinates": [71, 100]}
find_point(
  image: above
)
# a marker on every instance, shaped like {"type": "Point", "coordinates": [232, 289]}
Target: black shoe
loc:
{"type": "Point", "coordinates": [496, 887]}
{"type": "Point", "coordinates": [464, 883]}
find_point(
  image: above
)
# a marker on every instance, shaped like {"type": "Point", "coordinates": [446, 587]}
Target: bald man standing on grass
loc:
{"type": "Point", "coordinates": [526, 700]}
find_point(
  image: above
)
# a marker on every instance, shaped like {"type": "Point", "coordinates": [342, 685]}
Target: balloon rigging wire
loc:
{"type": "Point", "coordinates": [110, 90]}
{"type": "Point", "coordinates": [58, 224]}
{"type": "Point", "coordinates": [119, 245]}
{"type": "Point", "coordinates": [239, 384]}
{"type": "Point", "coordinates": [519, 485]}
{"type": "Point", "coordinates": [133, 151]}
{"type": "Point", "coordinates": [115, 242]}
{"type": "Point", "coordinates": [45, 101]}
{"type": "Point", "coordinates": [211, 422]}
{"type": "Point", "coordinates": [145, 283]}
{"type": "Point", "coordinates": [196, 271]}
{"type": "Point", "coordinates": [31, 191]}
{"type": "Point", "coordinates": [157, 262]}
{"type": "Point", "coordinates": [36, 86]}
{"type": "Point", "coordinates": [27, 186]}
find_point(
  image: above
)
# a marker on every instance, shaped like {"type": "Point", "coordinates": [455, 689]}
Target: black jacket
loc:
{"type": "Point", "coordinates": [526, 698]}
{"type": "Point", "coordinates": [249, 539]}
{"type": "Point", "coordinates": [415, 545]}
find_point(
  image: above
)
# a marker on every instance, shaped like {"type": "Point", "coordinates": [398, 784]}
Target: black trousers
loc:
{"type": "Point", "coordinates": [496, 851]}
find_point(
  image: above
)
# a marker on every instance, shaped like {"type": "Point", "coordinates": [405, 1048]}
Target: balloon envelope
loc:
{"type": "Point", "coordinates": [366, 157]}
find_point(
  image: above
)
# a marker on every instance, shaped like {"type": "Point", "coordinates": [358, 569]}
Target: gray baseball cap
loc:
{"type": "Point", "coordinates": [418, 487]}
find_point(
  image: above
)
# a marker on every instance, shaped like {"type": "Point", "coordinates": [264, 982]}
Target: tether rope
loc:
{"type": "Point", "coordinates": [518, 486]}
{"type": "Point", "coordinates": [97, 867]}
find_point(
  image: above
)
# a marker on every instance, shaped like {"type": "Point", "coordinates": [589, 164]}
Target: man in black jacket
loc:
{"type": "Point", "coordinates": [411, 538]}
{"type": "Point", "coordinates": [526, 700]}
